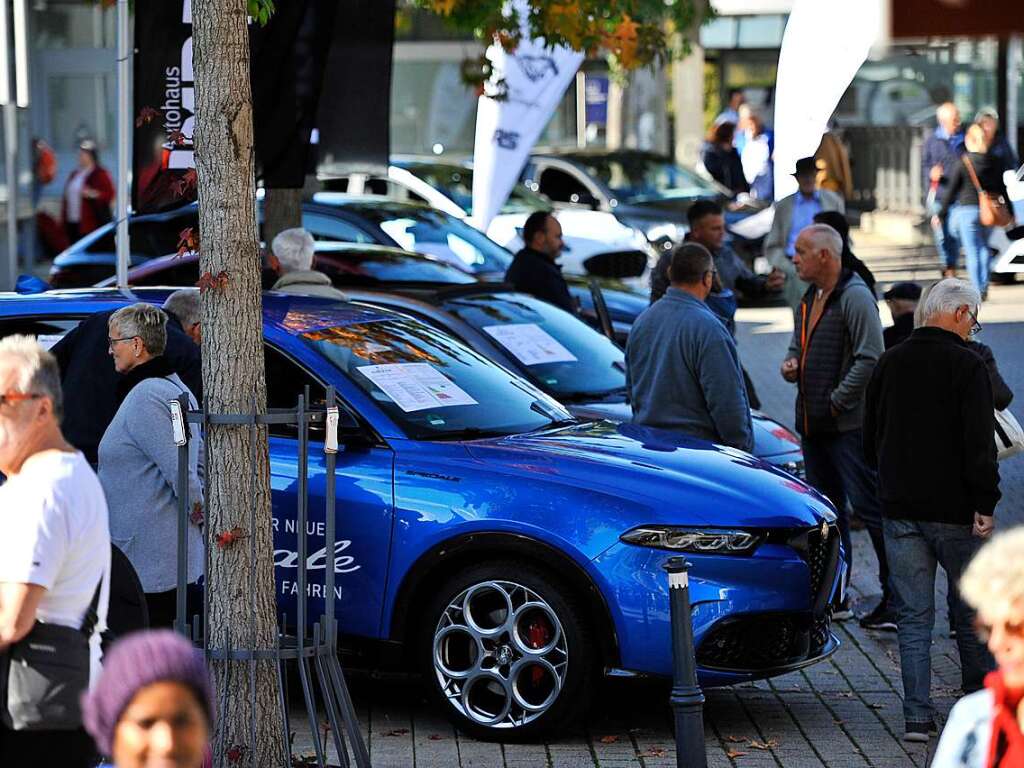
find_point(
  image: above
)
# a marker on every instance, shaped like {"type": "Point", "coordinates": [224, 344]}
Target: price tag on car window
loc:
{"type": "Point", "coordinates": [530, 343]}
{"type": "Point", "coordinates": [416, 386]}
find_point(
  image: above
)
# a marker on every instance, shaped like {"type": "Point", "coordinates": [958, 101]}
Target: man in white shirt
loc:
{"type": "Point", "coordinates": [55, 547]}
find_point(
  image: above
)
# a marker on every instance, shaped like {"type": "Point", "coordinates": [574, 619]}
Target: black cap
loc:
{"type": "Point", "coordinates": [911, 291]}
{"type": "Point", "coordinates": [806, 166]}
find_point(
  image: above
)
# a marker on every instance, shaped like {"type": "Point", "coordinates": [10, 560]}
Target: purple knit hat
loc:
{"type": "Point", "coordinates": [140, 659]}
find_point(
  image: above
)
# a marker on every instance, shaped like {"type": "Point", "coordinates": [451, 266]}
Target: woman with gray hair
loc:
{"type": "Point", "coordinates": [984, 729]}
{"type": "Point", "coordinates": [138, 461]}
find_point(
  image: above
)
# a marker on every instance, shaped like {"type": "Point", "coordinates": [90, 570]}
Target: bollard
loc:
{"type": "Point", "coordinates": [687, 698]}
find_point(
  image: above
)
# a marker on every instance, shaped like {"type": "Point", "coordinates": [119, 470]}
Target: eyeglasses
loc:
{"type": "Point", "coordinates": [1014, 629]}
{"type": "Point", "coordinates": [976, 328]}
{"type": "Point", "coordinates": [111, 342]}
{"type": "Point", "coordinates": [17, 397]}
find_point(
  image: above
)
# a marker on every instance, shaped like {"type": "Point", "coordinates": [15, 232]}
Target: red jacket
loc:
{"type": "Point", "coordinates": [95, 211]}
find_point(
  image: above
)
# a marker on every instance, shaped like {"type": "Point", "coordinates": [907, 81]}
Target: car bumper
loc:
{"type": "Point", "coordinates": [753, 617]}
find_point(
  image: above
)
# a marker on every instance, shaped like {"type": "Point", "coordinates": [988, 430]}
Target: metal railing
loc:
{"type": "Point", "coordinates": [886, 166]}
{"type": "Point", "coordinates": [314, 655]}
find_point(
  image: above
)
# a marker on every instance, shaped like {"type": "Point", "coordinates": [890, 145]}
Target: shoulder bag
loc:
{"type": "Point", "coordinates": [45, 673]}
{"type": "Point", "coordinates": [1009, 435]}
{"type": "Point", "coordinates": [992, 208]}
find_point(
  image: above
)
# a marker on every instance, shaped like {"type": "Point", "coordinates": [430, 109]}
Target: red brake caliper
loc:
{"type": "Point", "coordinates": [538, 635]}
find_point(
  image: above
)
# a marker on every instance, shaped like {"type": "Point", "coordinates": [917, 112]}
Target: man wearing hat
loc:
{"type": "Point", "coordinates": [902, 299]}
{"type": "Point", "coordinates": [792, 214]}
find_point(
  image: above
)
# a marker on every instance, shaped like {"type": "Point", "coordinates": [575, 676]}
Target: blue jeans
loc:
{"type": "Point", "coordinates": [947, 241]}
{"type": "Point", "coordinates": [965, 219]}
{"type": "Point", "coordinates": [914, 548]}
{"type": "Point", "coordinates": [835, 466]}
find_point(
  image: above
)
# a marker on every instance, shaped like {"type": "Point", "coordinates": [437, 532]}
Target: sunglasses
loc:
{"type": "Point", "coordinates": [1014, 629]}
{"type": "Point", "coordinates": [17, 397]}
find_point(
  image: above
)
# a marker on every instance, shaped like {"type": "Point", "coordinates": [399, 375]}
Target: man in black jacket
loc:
{"type": "Point", "coordinates": [902, 299]}
{"type": "Point", "coordinates": [533, 270]}
{"type": "Point", "coordinates": [928, 428]}
{"type": "Point", "coordinates": [93, 390]}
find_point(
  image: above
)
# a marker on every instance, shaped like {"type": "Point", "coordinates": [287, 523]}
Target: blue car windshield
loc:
{"type": "Point", "coordinates": [431, 385]}
{"type": "Point", "coordinates": [437, 234]}
{"type": "Point", "coordinates": [560, 353]}
{"type": "Point", "coordinates": [641, 178]}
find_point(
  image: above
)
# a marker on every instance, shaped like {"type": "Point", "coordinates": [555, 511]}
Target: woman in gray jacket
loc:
{"type": "Point", "coordinates": [984, 729]}
{"type": "Point", "coordinates": [138, 461]}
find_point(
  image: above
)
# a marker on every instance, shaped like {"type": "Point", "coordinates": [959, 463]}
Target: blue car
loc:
{"type": "Point", "coordinates": [514, 553]}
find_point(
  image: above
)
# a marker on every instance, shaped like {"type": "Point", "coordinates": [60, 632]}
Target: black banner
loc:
{"type": "Point", "coordinates": [288, 58]}
{"type": "Point", "coordinates": [163, 170]}
{"type": "Point", "coordinates": [354, 119]}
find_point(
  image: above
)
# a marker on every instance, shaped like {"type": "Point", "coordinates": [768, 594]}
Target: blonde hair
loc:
{"type": "Point", "coordinates": [975, 140]}
{"type": "Point", "coordinates": [994, 580]}
{"type": "Point", "coordinates": [147, 322]}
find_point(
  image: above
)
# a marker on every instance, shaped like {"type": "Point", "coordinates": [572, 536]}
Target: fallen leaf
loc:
{"type": "Point", "coordinates": [396, 732]}
{"type": "Point", "coordinates": [609, 739]}
{"type": "Point", "coordinates": [733, 753]}
{"type": "Point", "coordinates": [767, 744]}
{"type": "Point", "coordinates": [435, 737]}
{"type": "Point", "coordinates": [735, 739]}
{"type": "Point", "coordinates": [653, 752]}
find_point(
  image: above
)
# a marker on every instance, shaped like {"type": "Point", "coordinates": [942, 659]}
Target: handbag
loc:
{"type": "Point", "coordinates": [992, 208]}
{"type": "Point", "coordinates": [46, 673]}
{"type": "Point", "coordinates": [1009, 435]}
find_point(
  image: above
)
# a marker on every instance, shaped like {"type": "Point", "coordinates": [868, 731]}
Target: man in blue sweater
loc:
{"type": "Point", "coordinates": [682, 368]}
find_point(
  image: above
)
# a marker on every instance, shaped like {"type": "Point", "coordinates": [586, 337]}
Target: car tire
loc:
{"type": "Point", "coordinates": [506, 653]}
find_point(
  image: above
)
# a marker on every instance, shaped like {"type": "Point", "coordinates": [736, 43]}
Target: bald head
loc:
{"type": "Point", "coordinates": [819, 255]}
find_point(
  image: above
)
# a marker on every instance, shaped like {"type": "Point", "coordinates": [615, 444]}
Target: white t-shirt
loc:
{"type": "Point", "coordinates": [55, 533]}
{"type": "Point", "coordinates": [73, 196]}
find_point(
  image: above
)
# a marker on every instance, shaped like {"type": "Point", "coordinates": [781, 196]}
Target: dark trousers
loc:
{"type": "Point", "coordinates": [163, 606]}
{"type": "Point", "coordinates": [915, 548]}
{"type": "Point", "coordinates": [46, 749]}
{"type": "Point", "coordinates": [835, 466]}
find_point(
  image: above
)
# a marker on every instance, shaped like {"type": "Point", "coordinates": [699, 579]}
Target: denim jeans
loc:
{"type": "Point", "coordinates": [835, 466]}
{"type": "Point", "coordinates": [967, 223]}
{"type": "Point", "coordinates": [915, 547]}
{"type": "Point", "coordinates": [947, 241]}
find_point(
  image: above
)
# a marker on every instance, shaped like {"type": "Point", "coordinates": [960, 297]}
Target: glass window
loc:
{"type": "Point", "coordinates": [719, 33]}
{"type": "Point", "coordinates": [374, 268]}
{"type": "Point", "coordinates": [323, 227]}
{"type": "Point", "coordinates": [560, 353]}
{"type": "Point", "coordinates": [640, 178]}
{"type": "Point", "coordinates": [456, 183]}
{"type": "Point", "coordinates": [82, 106]}
{"type": "Point", "coordinates": [411, 371]}
{"type": "Point", "coordinates": [761, 31]}
{"type": "Point", "coordinates": [79, 25]}
{"type": "Point", "coordinates": [434, 233]}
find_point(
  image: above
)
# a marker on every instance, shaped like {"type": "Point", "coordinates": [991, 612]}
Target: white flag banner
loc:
{"type": "Point", "coordinates": [536, 78]}
{"type": "Point", "coordinates": [825, 43]}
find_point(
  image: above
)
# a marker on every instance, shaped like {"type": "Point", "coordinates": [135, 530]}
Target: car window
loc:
{"type": "Point", "coordinates": [149, 237]}
{"type": "Point", "coordinates": [433, 386]}
{"type": "Point", "coordinates": [456, 183]}
{"type": "Point", "coordinates": [331, 228]}
{"type": "Point", "coordinates": [286, 380]}
{"type": "Point", "coordinates": [184, 273]}
{"type": "Point", "coordinates": [561, 186]}
{"type": "Point", "coordinates": [436, 234]}
{"type": "Point", "coordinates": [639, 178]}
{"type": "Point", "coordinates": [375, 268]}
{"type": "Point", "coordinates": [559, 352]}
{"type": "Point", "coordinates": [47, 332]}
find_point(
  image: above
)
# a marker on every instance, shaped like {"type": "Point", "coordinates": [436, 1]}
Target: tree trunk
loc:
{"type": "Point", "coordinates": [240, 579]}
{"type": "Point", "coordinates": [282, 209]}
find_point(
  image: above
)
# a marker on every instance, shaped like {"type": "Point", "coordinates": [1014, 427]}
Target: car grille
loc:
{"type": "Point", "coordinates": [759, 642]}
{"type": "Point", "coordinates": [821, 553]}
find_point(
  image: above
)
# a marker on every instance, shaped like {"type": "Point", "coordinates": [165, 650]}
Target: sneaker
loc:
{"type": "Point", "coordinates": [883, 618]}
{"type": "Point", "coordinates": [919, 732]}
{"type": "Point", "coordinates": [843, 611]}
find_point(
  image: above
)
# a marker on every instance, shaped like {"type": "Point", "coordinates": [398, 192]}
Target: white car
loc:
{"type": "Point", "coordinates": [448, 186]}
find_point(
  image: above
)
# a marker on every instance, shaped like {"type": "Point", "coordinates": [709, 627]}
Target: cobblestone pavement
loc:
{"type": "Point", "coordinates": [841, 713]}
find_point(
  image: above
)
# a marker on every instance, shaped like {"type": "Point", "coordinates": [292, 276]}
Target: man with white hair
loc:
{"type": "Point", "coordinates": [928, 428]}
{"type": "Point", "coordinates": [293, 249]}
{"type": "Point", "coordinates": [183, 309]}
{"type": "Point", "coordinates": [836, 343]}
{"type": "Point", "coordinates": [54, 556]}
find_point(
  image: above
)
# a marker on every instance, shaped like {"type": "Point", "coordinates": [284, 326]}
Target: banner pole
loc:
{"type": "Point", "coordinates": [123, 127]}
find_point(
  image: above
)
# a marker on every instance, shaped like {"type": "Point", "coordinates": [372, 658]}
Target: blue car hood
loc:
{"type": "Point", "coordinates": [667, 478]}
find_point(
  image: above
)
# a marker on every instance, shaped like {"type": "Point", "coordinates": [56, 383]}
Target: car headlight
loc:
{"type": "Point", "coordinates": [702, 541]}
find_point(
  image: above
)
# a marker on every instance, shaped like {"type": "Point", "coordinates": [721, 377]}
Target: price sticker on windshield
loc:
{"type": "Point", "coordinates": [416, 386]}
{"type": "Point", "coordinates": [530, 343]}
